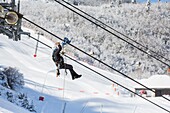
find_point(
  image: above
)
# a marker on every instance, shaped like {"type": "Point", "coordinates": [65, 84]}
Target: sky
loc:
{"type": "Point", "coordinates": [89, 94]}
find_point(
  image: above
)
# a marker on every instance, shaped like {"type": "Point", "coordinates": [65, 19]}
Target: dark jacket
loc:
{"type": "Point", "coordinates": [56, 54]}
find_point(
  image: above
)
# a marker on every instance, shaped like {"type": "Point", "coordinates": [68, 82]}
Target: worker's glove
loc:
{"type": "Point", "coordinates": [62, 52]}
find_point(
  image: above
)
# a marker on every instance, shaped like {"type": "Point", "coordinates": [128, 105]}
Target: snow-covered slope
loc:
{"type": "Point", "coordinates": [8, 107]}
{"type": "Point", "coordinates": [88, 94]}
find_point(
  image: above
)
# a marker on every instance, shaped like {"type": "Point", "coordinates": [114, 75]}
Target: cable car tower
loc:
{"type": "Point", "coordinates": [10, 19]}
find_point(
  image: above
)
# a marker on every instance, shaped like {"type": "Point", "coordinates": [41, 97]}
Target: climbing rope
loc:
{"type": "Point", "coordinates": [114, 81]}
{"type": "Point", "coordinates": [83, 109]}
{"type": "Point", "coordinates": [64, 106]}
{"type": "Point", "coordinates": [45, 80]}
{"type": "Point", "coordinates": [64, 76]}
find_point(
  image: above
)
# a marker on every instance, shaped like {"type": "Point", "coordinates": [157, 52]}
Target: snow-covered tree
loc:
{"type": "Point", "coordinates": [3, 80]}
{"type": "Point", "coordinates": [149, 29]}
{"type": "Point", "coordinates": [13, 78]}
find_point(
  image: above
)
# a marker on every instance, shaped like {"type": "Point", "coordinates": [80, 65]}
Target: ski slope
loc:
{"type": "Point", "coordinates": [89, 94]}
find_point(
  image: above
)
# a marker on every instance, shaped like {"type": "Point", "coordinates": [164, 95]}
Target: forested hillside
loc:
{"type": "Point", "coordinates": [149, 28]}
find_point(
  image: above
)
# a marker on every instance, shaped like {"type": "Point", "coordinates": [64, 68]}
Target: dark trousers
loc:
{"type": "Point", "coordinates": [70, 68]}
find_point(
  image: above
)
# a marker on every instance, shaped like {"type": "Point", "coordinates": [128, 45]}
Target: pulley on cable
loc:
{"type": "Point", "coordinates": [66, 41]}
{"type": "Point", "coordinates": [10, 20]}
{"type": "Point", "coordinates": [10, 17]}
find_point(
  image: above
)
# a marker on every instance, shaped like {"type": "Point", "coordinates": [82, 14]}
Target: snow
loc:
{"type": "Point", "coordinates": [89, 94]}
{"type": "Point", "coordinates": [131, 20]}
{"type": "Point", "coordinates": [7, 107]}
{"type": "Point", "coordinates": [156, 81]}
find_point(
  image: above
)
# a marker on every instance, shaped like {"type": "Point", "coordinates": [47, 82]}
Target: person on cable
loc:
{"type": "Point", "coordinates": [59, 61]}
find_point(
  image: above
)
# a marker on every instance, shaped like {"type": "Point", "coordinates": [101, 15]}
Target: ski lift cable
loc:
{"type": "Point", "coordinates": [93, 57]}
{"type": "Point", "coordinates": [114, 34]}
{"type": "Point", "coordinates": [109, 79]}
{"type": "Point", "coordinates": [117, 83]}
{"type": "Point", "coordinates": [116, 30]}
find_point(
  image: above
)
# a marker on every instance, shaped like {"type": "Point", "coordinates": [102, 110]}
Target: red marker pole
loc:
{"type": "Point", "coordinates": [35, 55]}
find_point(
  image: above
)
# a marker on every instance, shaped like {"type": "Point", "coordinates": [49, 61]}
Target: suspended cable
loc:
{"type": "Point", "coordinates": [94, 57]}
{"type": "Point", "coordinates": [98, 59]}
{"type": "Point", "coordinates": [115, 30]}
{"type": "Point", "coordinates": [40, 42]}
{"type": "Point", "coordinates": [116, 83]}
{"type": "Point", "coordinates": [112, 81]}
{"type": "Point", "coordinates": [113, 34]}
